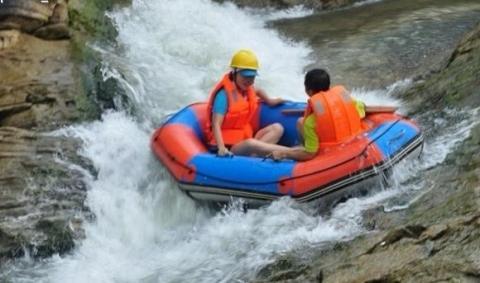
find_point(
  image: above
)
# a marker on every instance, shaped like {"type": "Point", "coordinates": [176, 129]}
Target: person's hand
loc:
{"type": "Point", "coordinates": [223, 151]}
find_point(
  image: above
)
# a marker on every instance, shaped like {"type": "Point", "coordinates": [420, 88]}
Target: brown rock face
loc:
{"type": "Point", "coordinates": [30, 15]}
{"type": "Point", "coordinates": [41, 196]}
{"type": "Point", "coordinates": [38, 83]}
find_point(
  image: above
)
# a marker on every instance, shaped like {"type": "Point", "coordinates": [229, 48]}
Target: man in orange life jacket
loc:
{"type": "Point", "coordinates": [231, 106]}
{"type": "Point", "coordinates": [332, 116]}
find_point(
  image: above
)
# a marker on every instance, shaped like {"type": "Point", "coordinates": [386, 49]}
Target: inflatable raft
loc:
{"type": "Point", "coordinates": [337, 171]}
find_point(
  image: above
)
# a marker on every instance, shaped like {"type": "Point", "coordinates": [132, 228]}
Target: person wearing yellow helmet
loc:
{"type": "Point", "coordinates": [245, 59]}
{"type": "Point", "coordinates": [231, 107]}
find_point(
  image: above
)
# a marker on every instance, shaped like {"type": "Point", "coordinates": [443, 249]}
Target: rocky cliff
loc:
{"type": "Point", "coordinates": [48, 81]}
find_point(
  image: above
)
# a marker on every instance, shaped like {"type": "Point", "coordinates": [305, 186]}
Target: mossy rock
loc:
{"type": "Point", "coordinates": [88, 16]}
{"type": "Point", "coordinates": [88, 20]}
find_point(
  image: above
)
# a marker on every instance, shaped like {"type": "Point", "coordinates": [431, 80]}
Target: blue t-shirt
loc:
{"type": "Point", "coordinates": [220, 103]}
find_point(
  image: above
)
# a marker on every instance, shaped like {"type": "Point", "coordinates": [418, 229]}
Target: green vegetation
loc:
{"type": "Point", "coordinates": [89, 23]}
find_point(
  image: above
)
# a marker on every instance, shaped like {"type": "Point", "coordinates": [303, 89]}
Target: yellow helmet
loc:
{"type": "Point", "coordinates": [244, 59]}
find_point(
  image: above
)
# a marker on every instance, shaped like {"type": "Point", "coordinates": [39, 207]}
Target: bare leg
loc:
{"type": "Point", "coordinates": [270, 134]}
{"type": "Point", "coordinates": [255, 147]}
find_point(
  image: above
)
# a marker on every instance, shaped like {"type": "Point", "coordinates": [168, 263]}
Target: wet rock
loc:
{"type": "Point", "coordinates": [396, 235]}
{"type": "Point", "coordinates": [285, 4]}
{"type": "Point", "coordinates": [284, 268]}
{"type": "Point", "coordinates": [434, 232]}
{"type": "Point", "coordinates": [476, 135]}
{"type": "Point", "coordinates": [456, 84]}
{"type": "Point", "coordinates": [377, 219]}
{"type": "Point", "coordinates": [43, 194]}
{"type": "Point", "coordinates": [10, 246]}
{"type": "Point", "coordinates": [58, 238]}
{"type": "Point", "coordinates": [441, 251]}
{"type": "Point", "coordinates": [44, 86]}
{"type": "Point", "coordinates": [87, 18]}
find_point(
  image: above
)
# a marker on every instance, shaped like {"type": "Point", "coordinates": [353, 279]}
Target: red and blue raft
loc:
{"type": "Point", "coordinates": [338, 170]}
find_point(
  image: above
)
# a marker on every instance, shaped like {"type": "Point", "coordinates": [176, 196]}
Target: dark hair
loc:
{"type": "Point", "coordinates": [317, 80]}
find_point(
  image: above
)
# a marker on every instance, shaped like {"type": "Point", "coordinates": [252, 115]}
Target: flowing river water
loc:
{"type": "Point", "coordinates": [170, 53]}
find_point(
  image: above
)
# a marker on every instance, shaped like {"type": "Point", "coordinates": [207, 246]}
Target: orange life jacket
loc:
{"type": "Point", "coordinates": [236, 125]}
{"type": "Point", "coordinates": [337, 118]}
